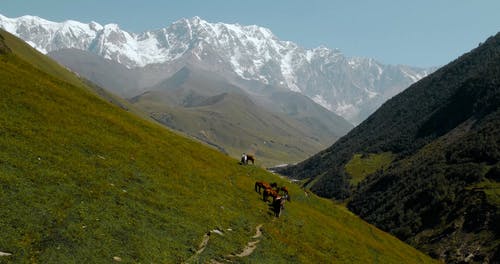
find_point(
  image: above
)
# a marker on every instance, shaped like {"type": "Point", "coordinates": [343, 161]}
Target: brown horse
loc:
{"type": "Point", "coordinates": [261, 185]}
{"type": "Point", "coordinates": [270, 192]}
{"type": "Point", "coordinates": [284, 190]}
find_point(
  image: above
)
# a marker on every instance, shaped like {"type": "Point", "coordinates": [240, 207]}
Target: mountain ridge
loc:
{"type": "Point", "coordinates": [350, 87]}
{"type": "Point", "coordinates": [214, 110]}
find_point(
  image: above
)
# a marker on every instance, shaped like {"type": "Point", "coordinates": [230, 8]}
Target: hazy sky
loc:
{"type": "Point", "coordinates": [419, 33]}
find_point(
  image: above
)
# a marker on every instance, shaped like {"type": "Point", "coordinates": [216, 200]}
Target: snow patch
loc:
{"type": "Point", "coordinates": [321, 101]}
{"type": "Point", "coordinates": [411, 76]}
{"type": "Point", "coordinates": [288, 72]}
{"type": "Point", "coordinates": [414, 76]}
{"type": "Point", "coordinates": [35, 46]}
{"type": "Point", "coordinates": [370, 94]}
{"type": "Point", "coordinates": [346, 110]}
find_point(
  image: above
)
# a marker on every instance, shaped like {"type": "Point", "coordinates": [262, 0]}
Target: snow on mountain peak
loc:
{"type": "Point", "coordinates": [7, 23]}
{"type": "Point", "coordinates": [246, 48]}
{"type": "Point", "coordinates": [95, 26]}
{"type": "Point", "coordinates": [111, 27]}
{"type": "Point", "coordinates": [196, 20]}
{"type": "Point", "coordinates": [252, 52]}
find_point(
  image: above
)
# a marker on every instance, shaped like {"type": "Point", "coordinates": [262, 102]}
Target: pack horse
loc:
{"type": "Point", "coordinates": [279, 195]}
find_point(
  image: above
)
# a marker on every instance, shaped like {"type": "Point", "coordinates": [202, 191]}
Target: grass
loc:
{"type": "Point", "coordinates": [236, 132]}
{"type": "Point", "coordinates": [83, 181]}
{"type": "Point", "coordinates": [490, 188]}
{"type": "Point", "coordinates": [238, 125]}
{"type": "Point", "coordinates": [39, 61]}
{"type": "Point", "coordinates": [359, 167]}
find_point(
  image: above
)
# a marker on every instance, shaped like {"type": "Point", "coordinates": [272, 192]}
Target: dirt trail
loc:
{"type": "Point", "coordinates": [251, 245]}
{"type": "Point", "coordinates": [247, 250]}
{"type": "Point", "coordinates": [201, 247]}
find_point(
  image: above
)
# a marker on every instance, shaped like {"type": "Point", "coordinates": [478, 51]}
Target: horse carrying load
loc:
{"type": "Point", "coordinates": [279, 194]}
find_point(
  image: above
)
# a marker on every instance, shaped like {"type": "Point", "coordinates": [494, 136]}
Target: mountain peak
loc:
{"type": "Point", "coordinates": [251, 52]}
{"type": "Point", "coordinates": [111, 27]}
{"type": "Point", "coordinates": [196, 20]}
{"type": "Point", "coordinates": [95, 26]}
{"type": "Point", "coordinates": [30, 17]}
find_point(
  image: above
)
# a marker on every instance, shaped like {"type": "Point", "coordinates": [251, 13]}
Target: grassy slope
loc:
{"type": "Point", "coordinates": [40, 61]}
{"type": "Point", "coordinates": [490, 188]}
{"type": "Point", "coordinates": [44, 63]}
{"type": "Point", "coordinates": [360, 167]}
{"type": "Point", "coordinates": [82, 181]}
{"type": "Point", "coordinates": [238, 125]}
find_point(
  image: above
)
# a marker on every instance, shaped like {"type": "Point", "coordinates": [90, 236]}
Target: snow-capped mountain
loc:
{"type": "Point", "coordinates": [350, 87]}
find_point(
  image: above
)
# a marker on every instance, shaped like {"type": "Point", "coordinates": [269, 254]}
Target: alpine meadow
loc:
{"type": "Point", "coordinates": [84, 178]}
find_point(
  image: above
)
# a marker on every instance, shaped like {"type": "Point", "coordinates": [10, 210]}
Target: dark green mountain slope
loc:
{"type": "Point", "coordinates": [440, 192]}
{"type": "Point", "coordinates": [83, 181]}
{"type": "Point", "coordinates": [445, 198]}
{"type": "Point", "coordinates": [401, 126]}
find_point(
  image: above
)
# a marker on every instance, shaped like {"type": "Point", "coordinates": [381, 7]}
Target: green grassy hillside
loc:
{"type": "Point", "coordinates": [235, 124]}
{"type": "Point", "coordinates": [83, 181]}
{"type": "Point", "coordinates": [47, 65]}
{"type": "Point", "coordinates": [360, 166]}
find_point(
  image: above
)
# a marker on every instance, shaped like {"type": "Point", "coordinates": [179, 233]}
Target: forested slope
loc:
{"type": "Point", "coordinates": [440, 192]}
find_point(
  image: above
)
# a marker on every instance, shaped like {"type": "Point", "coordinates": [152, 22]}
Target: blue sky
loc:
{"type": "Point", "coordinates": [418, 33]}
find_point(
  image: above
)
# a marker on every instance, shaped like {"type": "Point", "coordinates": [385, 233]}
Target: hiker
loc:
{"type": "Point", "coordinates": [278, 205]}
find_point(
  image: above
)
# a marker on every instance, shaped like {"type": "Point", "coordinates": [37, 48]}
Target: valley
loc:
{"type": "Point", "coordinates": [124, 147]}
{"type": "Point", "coordinates": [83, 180]}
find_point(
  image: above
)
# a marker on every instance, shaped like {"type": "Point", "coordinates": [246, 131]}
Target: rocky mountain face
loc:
{"type": "Point", "coordinates": [440, 191]}
{"type": "Point", "coordinates": [350, 87]}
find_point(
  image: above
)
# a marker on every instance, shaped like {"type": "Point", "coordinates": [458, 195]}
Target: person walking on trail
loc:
{"type": "Point", "coordinates": [278, 205]}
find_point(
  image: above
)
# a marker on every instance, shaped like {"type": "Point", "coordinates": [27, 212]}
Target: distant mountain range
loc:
{"type": "Point", "coordinates": [426, 165]}
{"type": "Point", "coordinates": [215, 111]}
{"type": "Point", "coordinates": [350, 87]}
